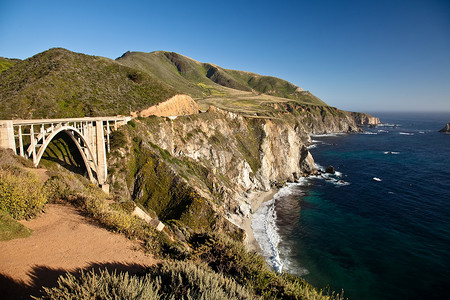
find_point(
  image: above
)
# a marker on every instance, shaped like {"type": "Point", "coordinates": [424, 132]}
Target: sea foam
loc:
{"type": "Point", "coordinates": [265, 230]}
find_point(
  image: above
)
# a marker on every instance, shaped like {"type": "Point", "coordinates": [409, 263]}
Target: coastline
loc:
{"type": "Point", "coordinates": [256, 199]}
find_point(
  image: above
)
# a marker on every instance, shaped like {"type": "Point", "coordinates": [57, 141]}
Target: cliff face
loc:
{"type": "Point", "coordinates": [364, 119]}
{"type": "Point", "coordinates": [220, 156]}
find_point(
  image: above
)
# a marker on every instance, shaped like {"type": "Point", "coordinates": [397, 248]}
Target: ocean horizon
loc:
{"type": "Point", "coordinates": [379, 228]}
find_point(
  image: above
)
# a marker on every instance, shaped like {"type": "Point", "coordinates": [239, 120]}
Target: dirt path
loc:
{"type": "Point", "coordinates": [63, 240]}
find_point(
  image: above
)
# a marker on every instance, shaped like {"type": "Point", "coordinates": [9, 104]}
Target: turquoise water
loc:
{"type": "Point", "coordinates": [380, 230]}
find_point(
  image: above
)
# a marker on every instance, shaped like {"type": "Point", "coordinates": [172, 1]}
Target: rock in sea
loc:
{"type": "Point", "coordinates": [446, 129]}
{"type": "Point", "coordinates": [330, 170]}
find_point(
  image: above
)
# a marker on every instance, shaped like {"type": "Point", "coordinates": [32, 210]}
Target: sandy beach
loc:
{"type": "Point", "coordinates": [256, 199]}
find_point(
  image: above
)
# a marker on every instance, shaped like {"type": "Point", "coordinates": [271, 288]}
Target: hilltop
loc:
{"type": "Point", "coordinates": [61, 83]}
{"type": "Point", "coordinates": [209, 84]}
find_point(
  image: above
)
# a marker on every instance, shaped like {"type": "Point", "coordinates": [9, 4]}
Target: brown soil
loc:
{"type": "Point", "coordinates": [178, 105]}
{"type": "Point", "coordinates": [63, 241]}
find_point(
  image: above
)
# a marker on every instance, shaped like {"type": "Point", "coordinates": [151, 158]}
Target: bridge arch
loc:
{"type": "Point", "coordinates": [82, 145]}
{"type": "Point", "coordinates": [91, 135]}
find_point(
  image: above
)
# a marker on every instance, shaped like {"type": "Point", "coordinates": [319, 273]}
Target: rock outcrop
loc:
{"type": "Point", "coordinates": [178, 105]}
{"type": "Point", "coordinates": [364, 119]}
{"type": "Point", "coordinates": [446, 129]}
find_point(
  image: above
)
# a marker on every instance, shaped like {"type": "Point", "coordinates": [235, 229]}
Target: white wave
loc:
{"type": "Point", "coordinates": [316, 141]}
{"type": "Point", "coordinates": [331, 179]}
{"type": "Point", "coordinates": [383, 131]}
{"type": "Point", "coordinates": [340, 182]}
{"type": "Point", "coordinates": [422, 132]}
{"type": "Point", "coordinates": [406, 133]}
{"type": "Point", "coordinates": [369, 132]}
{"type": "Point", "coordinates": [311, 146]}
{"type": "Point", "coordinates": [303, 181]}
{"type": "Point", "coordinates": [391, 152]}
{"type": "Point", "coordinates": [327, 134]}
{"type": "Point", "coordinates": [265, 229]}
{"type": "Point", "coordinates": [319, 167]}
{"type": "Point", "coordinates": [377, 179]}
{"type": "Point", "coordinates": [388, 125]}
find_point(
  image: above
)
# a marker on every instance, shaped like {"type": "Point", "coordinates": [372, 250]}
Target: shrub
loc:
{"type": "Point", "coordinates": [22, 195]}
{"type": "Point", "coordinates": [57, 189]}
{"type": "Point", "coordinates": [117, 139]}
{"type": "Point", "coordinates": [101, 285]}
{"type": "Point", "coordinates": [171, 280]}
{"type": "Point", "coordinates": [188, 280]}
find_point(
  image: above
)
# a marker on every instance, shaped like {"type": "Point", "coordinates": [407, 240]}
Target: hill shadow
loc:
{"type": "Point", "coordinates": [43, 276]}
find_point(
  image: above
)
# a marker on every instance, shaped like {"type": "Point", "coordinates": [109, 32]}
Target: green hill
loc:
{"type": "Point", "coordinates": [61, 83]}
{"type": "Point", "coordinates": [6, 63]}
{"type": "Point", "coordinates": [211, 84]}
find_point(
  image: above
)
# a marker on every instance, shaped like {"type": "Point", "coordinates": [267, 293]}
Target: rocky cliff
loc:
{"type": "Point", "coordinates": [217, 158]}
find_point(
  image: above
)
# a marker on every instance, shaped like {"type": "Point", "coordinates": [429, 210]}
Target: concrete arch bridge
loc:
{"type": "Point", "coordinates": [91, 135]}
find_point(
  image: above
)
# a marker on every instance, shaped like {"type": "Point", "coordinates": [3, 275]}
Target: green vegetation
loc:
{"type": "Point", "coordinates": [6, 63]}
{"type": "Point", "coordinates": [61, 83]}
{"type": "Point", "coordinates": [21, 194]}
{"type": "Point", "coordinates": [11, 229]}
{"type": "Point", "coordinates": [158, 188]}
{"type": "Point", "coordinates": [213, 85]}
{"type": "Point", "coordinates": [102, 286]}
{"type": "Point", "coordinates": [169, 280]}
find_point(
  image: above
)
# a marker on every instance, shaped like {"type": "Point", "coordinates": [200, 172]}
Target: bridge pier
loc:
{"type": "Point", "coordinates": [7, 140]}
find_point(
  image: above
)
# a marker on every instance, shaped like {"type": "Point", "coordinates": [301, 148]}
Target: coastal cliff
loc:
{"type": "Point", "coordinates": [219, 157]}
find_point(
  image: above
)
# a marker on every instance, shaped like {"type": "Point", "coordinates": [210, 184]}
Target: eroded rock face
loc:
{"type": "Point", "coordinates": [365, 119]}
{"type": "Point", "coordinates": [178, 105]}
{"type": "Point", "coordinates": [242, 154]}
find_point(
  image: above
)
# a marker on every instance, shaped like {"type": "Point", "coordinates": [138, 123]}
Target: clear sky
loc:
{"type": "Point", "coordinates": [380, 55]}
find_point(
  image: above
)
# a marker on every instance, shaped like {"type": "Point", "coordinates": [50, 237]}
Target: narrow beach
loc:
{"type": "Point", "coordinates": [256, 199]}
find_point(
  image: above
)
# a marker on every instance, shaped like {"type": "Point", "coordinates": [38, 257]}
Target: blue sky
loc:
{"type": "Point", "coordinates": [355, 55]}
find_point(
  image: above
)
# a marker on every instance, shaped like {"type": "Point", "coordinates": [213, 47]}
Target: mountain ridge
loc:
{"type": "Point", "coordinates": [201, 80]}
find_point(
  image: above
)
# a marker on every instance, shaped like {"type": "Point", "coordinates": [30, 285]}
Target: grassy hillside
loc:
{"type": "Point", "coordinates": [6, 63]}
{"type": "Point", "coordinates": [61, 83]}
{"type": "Point", "coordinates": [213, 85]}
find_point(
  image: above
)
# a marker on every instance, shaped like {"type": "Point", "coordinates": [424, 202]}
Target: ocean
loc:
{"type": "Point", "coordinates": [380, 227]}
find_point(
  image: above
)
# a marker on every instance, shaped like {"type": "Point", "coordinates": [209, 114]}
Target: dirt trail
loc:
{"type": "Point", "coordinates": [63, 240]}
